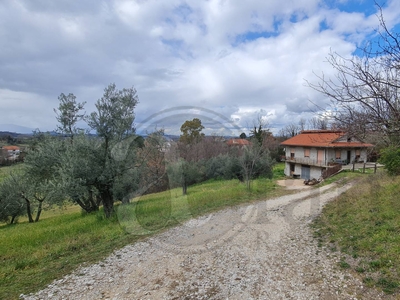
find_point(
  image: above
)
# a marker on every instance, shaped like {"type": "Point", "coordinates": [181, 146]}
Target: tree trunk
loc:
{"type": "Point", "coordinates": [39, 211]}
{"type": "Point", "coordinates": [91, 207]}
{"type": "Point", "coordinates": [93, 204]}
{"type": "Point", "coordinates": [12, 219]}
{"type": "Point", "coordinates": [81, 204]}
{"type": "Point", "coordinates": [184, 189]}
{"type": "Point", "coordinates": [108, 202]}
{"type": "Point", "coordinates": [28, 210]}
{"type": "Point", "coordinates": [248, 184]}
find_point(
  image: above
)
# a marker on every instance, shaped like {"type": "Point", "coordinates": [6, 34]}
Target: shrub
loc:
{"type": "Point", "coordinates": [390, 157]}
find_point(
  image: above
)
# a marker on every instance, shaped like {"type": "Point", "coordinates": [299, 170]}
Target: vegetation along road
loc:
{"type": "Point", "coordinates": [263, 250]}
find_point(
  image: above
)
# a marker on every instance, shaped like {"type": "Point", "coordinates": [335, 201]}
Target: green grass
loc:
{"type": "Point", "coordinates": [157, 211]}
{"type": "Point", "coordinates": [347, 176]}
{"type": "Point", "coordinates": [364, 223]}
{"type": "Point", "coordinates": [6, 170]}
{"type": "Point", "coordinates": [278, 171]}
{"type": "Point", "coordinates": [32, 255]}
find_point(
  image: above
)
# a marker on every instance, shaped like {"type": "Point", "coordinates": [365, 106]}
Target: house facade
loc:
{"type": "Point", "coordinates": [12, 152]}
{"type": "Point", "coordinates": [312, 153]}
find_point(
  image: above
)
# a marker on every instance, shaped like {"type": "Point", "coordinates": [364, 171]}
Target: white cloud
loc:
{"type": "Point", "coordinates": [198, 53]}
{"type": "Point", "coordinates": [26, 109]}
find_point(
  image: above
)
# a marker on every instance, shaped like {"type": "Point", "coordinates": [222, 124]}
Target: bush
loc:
{"type": "Point", "coordinates": [222, 166]}
{"type": "Point", "coordinates": [390, 157]}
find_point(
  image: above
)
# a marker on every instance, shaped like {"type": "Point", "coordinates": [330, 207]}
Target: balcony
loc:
{"type": "Point", "coordinates": [305, 161]}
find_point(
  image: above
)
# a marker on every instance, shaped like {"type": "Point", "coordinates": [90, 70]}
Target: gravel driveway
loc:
{"type": "Point", "coordinates": [258, 251]}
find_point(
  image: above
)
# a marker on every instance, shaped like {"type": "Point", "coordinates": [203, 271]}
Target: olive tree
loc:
{"type": "Point", "coordinates": [79, 170]}
{"type": "Point", "coordinates": [69, 114]}
{"type": "Point", "coordinates": [89, 170]}
{"type": "Point", "coordinates": [183, 173]}
{"type": "Point", "coordinates": [12, 205]}
{"type": "Point", "coordinates": [113, 122]}
{"type": "Point", "coordinates": [94, 169]}
{"type": "Point", "coordinates": [33, 187]}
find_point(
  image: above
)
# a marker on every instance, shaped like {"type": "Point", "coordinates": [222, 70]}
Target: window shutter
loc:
{"type": "Point", "coordinates": [338, 154]}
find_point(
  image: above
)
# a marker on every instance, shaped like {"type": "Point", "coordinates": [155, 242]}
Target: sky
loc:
{"type": "Point", "coordinates": [228, 63]}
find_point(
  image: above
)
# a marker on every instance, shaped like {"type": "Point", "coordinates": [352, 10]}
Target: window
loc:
{"type": "Point", "coordinates": [306, 152]}
{"type": "Point", "coordinates": [320, 156]}
{"type": "Point", "coordinates": [292, 153]}
{"type": "Point", "coordinates": [338, 154]}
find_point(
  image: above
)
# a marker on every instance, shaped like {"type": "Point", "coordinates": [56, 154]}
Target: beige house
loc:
{"type": "Point", "coordinates": [312, 153]}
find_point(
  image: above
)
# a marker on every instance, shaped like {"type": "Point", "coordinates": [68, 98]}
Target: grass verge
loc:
{"type": "Point", "coordinates": [33, 255]}
{"type": "Point", "coordinates": [364, 224]}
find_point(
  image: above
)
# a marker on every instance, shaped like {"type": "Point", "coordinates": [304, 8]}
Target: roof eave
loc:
{"type": "Point", "coordinates": [330, 146]}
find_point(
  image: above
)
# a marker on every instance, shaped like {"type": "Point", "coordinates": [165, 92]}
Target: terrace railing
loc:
{"type": "Point", "coordinates": [306, 161]}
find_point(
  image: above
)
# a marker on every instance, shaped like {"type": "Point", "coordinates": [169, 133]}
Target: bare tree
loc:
{"type": "Point", "coordinates": [366, 88]}
{"type": "Point", "coordinates": [318, 123]}
{"type": "Point", "coordinates": [260, 130]}
{"type": "Point", "coordinates": [302, 124]}
{"type": "Point", "coordinates": [255, 161]}
{"type": "Point", "coordinates": [152, 163]}
{"type": "Point", "coordinates": [290, 130]}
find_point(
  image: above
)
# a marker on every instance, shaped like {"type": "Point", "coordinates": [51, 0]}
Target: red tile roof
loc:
{"type": "Point", "coordinates": [238, 142]}
{"type": "Point", "coordinates": [323, 138]}
{"type": "Point", "coordinates": [13, 148]}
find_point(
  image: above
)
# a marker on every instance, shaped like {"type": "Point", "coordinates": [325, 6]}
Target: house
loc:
{"type": "Point", "coordinates": [238, 142]}
{"type": "Point", "coordinates": [313, 153]}
{"type": "Point", "coordinates": [12, 152]}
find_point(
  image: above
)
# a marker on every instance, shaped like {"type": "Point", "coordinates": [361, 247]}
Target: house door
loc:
{"type": "Point", "coordinates": [305, 172]}
{"type": "Point", "coordinates": [348, 157]}
{"type": "Point", "coordinates": [320, 156]}
{"type": "Point", "coordinates": [291, 169]}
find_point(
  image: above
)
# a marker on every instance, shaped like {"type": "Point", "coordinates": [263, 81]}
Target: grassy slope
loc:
{"type": "Point", "coordinates": [364, 224]}
{"type": "Point", "coordinates": [6, 170]}
{"type": "Point", "coordinates": [32, 255]}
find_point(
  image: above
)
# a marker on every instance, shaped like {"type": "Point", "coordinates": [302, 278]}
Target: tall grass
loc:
{"type": "Point", "coordinates": [32, 255]}
{"type": "Point", "coordinates": [364, 223]}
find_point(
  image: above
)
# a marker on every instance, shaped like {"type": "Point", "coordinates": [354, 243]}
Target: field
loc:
{"type": "Point", "coordinates": [32, 255]}
{"type": "Point", "coordinates": [364, 224]}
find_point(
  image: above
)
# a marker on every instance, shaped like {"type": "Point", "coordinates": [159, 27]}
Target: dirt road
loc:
{"type": "Point", "coordinates": [259, 251]}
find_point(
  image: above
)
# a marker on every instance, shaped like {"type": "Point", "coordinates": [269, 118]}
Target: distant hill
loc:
{"type": "Point", "coordinates": [15, 129]}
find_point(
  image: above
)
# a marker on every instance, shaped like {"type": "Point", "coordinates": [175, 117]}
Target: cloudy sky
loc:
{"type": "Point", "coordinates": [227, 62]}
